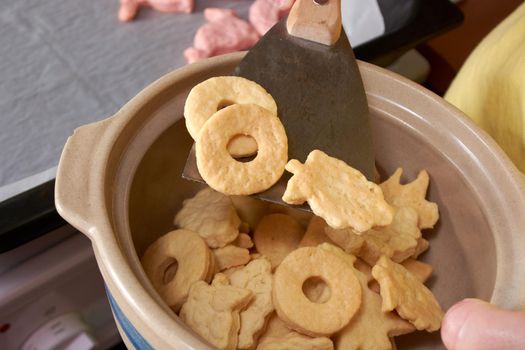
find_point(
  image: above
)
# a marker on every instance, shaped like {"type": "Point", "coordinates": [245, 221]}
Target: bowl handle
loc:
{"type": "Point", "coordinates": [76, 197]}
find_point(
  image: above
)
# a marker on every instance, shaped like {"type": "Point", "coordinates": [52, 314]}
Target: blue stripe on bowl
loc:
{"type": "Point", "coordinates": [133, 335]}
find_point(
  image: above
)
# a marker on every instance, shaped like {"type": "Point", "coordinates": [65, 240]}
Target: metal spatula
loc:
{"type": "Point", "coordinates": [307, 64]}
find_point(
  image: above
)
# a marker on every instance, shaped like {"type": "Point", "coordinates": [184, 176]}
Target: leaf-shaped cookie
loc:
{"type": "Point", "coordinates": [422, 271]}
{"type": "Point", "coordinates": [336, 192]}
{"type": "Point", "coordinates": [402, 291]}
{"type": "Point", "coordinates": [213, 311]}
{"type": "Point", "coordinates": [421, 247]}
{"type": "Point", "coordinates": [212, 215]}
{"type": "Point", "coordinates": [370, 328]}
{"type": "Point", "coordinates": [397, 241]}
{"type": "Point", "coordinates": [257, 277]}
{"type": "Point", "coordinates": [411, 195]}
{"type": "Point", "coordinates": [230, 256]}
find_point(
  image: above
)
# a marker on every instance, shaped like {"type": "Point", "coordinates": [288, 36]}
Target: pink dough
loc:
{"type": "Point", "coordinates": [223, 33]}
{"type": "Point", "coordinates": [264, 14]}
{"type": "Point", "coordinates": [285, 5]}
{"type": "Point", "coordinates": [129, 8]}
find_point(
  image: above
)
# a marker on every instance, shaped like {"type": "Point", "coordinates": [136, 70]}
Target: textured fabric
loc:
{"type": "Point", "coordinates": [64, 64]}
{"type": "Point", "coordinates": [490, 87]}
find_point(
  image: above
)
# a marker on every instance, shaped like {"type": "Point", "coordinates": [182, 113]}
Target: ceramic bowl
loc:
{"type": "Point", "coordinates": [119, 182]}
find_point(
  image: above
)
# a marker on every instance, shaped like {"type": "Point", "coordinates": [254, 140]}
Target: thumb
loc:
{"type": "Point", "coordinates": [476, 325]}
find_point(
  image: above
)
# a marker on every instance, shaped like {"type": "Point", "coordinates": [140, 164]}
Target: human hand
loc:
{"type": "Point", "coordinates": [473, 324]}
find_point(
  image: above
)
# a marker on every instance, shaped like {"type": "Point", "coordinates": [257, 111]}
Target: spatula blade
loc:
{"type": "Point", "coordinates": [320, 98]}
{"type": "Point", "coordinates": [319, 94]}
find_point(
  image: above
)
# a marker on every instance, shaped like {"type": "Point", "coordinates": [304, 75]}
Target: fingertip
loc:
{"type": "Point", "coordinates": [456, 323]}
{"type": "Point", "coordinates": [473, 324]}
{"type": "Point", "coordinates": [452, 324]}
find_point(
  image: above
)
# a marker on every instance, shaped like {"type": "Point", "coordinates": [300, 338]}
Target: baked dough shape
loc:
{"type": "Point", "coordinates": [215, 93]}
{"type": "Point", "coordinates": [229, 176]}
{"type": "Point", "coordinates": [181, 250]}
{"type": "Point", "coordinates": [308, 317]}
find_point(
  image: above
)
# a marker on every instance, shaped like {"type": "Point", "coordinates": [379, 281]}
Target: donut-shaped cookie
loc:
{"type": "Point", "coordinates": [174, 262]}
{"type": "Point", "coordinates": [303, 315]}
{"type": "Point", "coordinates": [215, 93]}
{"type": "Point", "coordinates": [229, 176]}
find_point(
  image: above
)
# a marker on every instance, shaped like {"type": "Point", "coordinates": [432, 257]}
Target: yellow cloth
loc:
{"type": "Point", "coordinates": [490, 87]}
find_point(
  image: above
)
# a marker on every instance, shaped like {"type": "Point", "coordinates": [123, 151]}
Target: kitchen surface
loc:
{"type": "Point", "coordinates": [68, 64]}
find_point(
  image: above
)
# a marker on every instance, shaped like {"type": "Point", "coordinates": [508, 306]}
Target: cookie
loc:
{"type": "Point", "coordinates": [230, 256]}
{"type": "Point", "coordinates": [228, 272]}
{"type": "Point", "coordinates": [412, 195]}
{"type": "Point", "coordinates": [257, 277]}
{"type": "Point", "coordinates": [301, 216]}
{"type": "Point", "coordinates": [347, 239]}
{"type": "Point", "coordinates": [279, 337]}
{"type": "Point", "coordinates": [421, 247]}
{"type": "Point", "coordinates": [212, 270]}
{"type": "Point", "coordinates": [337, 192]}
{"type": "Point", "coordinates": [174, 262]}
{"type": "Point", "coordinates": [397, 241]}
{"type": "Point", "coordinates": [212, 215]}
{"type": "Point", "coordinates": [370, 328]}
{"type": "Point", "coordinates": [254, 256]}
{"type": "Point", "coordinates": [243, 241]}
{"type": "Point", "coordinates": [315, 233]}
{"type": "Point", "coordinates": [304, 315]}
{"type": "Point", "coordinates": [229, 176]}
{"type": "Point", "coordinates": [213, 311]}
{"type": "Point", "coordinates": [403, 292]}
{"type": "Point", "coordinates": [213, 94]}
{"type": "Point", "coordinates": [419, 269]}
{"type": "Point", "coordinates": [316, 290]}
{"type": "Point", "coordinates": [276, 236]}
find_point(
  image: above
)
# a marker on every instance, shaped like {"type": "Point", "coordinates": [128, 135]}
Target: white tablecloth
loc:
{"type": "Point", "coordinates": [68, 63]}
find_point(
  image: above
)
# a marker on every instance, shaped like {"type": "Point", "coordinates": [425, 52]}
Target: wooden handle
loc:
{"type": "Point", "coordinates": [311, 21]}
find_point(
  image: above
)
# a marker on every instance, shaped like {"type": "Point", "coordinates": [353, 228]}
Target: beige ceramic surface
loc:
{"type": "Point", "coordinates": [119, 182]}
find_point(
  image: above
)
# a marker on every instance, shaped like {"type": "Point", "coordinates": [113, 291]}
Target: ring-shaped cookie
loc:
{"type": "Point", "coordinates": [303, 315]}
{"type": "Point", "coordinates": [229, 176]}
{"type": "Point", "coordinates": [193, 263]}
{"type": "Point", "coordinates": [215, 93]}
